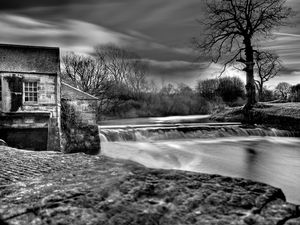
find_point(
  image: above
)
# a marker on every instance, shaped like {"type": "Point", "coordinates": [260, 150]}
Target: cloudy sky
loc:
{"type": "Point", "coordinates": [158, 30]}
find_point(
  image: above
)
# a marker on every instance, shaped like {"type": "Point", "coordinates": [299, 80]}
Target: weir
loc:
{"type": "Point", "coordinates": [186, 131]}
{"type": "Point", "coordinates": [258, 153]}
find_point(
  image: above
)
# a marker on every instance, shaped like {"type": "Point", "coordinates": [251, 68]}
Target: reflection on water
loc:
{"type": "Point", "coordinates": [272, 160]}
{"type": "Point", "coordinates": [252, 156]}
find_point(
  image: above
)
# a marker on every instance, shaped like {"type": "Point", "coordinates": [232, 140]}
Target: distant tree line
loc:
{"type": "Point", "coordinates": [118, 77]}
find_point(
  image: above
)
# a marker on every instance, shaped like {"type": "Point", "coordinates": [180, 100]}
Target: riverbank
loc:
{"type": "Point", "coordinates": [282, 115]}
{"type": "Point", "coordinates": [55, 188]}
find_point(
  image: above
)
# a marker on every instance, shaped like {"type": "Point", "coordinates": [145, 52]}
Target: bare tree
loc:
{"type": "Point", "coordinates": [283, 89]}
{"type": "Point", "coordinates": [268, 66]}
{"type": "Point", "coordinates": [89, 75]}
{"type": "Point", "coordinates": [84, 72]}
{"type": "Point", "coordinates": [113, 74]}
{"type": "Point", "coordinates": [124, 67]}
{"type": "Point", "coordinates": [233, 26]}
{"type": "Point", "coordinates": [136, 79]}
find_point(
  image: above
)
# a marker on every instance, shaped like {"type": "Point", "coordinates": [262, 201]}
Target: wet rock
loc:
{"type": "Point", "coordinates": [82, 189]}
{"type": "Point", "coordinates": [293, 221]}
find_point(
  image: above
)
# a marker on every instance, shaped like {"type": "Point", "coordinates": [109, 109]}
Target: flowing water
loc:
{"type": "Point", "coordinates": [261, 154]}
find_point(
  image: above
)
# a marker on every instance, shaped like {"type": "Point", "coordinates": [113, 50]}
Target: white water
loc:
{"type": "Point", "coordinates": [272, 160]}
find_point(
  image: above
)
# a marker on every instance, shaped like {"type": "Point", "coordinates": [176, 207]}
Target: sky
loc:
{"type": "Point", "coordinates": [160, 31]}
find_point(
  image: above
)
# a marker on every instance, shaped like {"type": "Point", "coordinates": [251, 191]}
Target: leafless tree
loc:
{"type": "Point", "coordinates": [283, 89]}
{"type": "Point", "coordinates": [136, 79]}
{"type": "Point", "coordinates": [112, 74]}
{"type": "Point", "coordinates": [268, 66]}
{"type": "Point", "coordinates": [124, 67]}
{"type": "Point", "coordinates": [126, 74]}
{"type": "Point", "coordinates": [233, 26]}
{"type": "Point", "coordinates": [84, 72]}
{"type": "Point", "coordinates": [89, 75]}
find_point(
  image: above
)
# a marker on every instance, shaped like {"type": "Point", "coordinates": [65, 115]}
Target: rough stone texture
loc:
{"type": "Point", "coordinates": [82, 139]}
{"type": "Point", "coordinates": [53, 188]}
{"type": "Point", "coordinates": [20, 64]}
{"type": "Point", "coordinates": [24, 58]}
{"type": "Point", "coordinates": [84, 103]}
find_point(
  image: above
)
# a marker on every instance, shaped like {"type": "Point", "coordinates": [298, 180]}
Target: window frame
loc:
{"type": "Point", "coordinates": [1, 89]}
{"type": "Point", "coordinates": [37, 91]}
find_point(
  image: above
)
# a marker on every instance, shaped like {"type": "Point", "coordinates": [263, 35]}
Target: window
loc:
{"type": "Point", "coordinates": [0, 89]}
{"type": "Point", "coordinates": [30, 91]}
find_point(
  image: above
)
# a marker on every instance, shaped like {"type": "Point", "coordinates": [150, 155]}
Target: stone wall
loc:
{"type": "Point", "coordinates": [25, 130]}
{"type": "Point", "coordinates": [86, 110]}
{"type": "Point", "coordinates": [20, 64]}
{"type": "Point", "coordinates": [47, 91]}
{"type": "Point", "coordinates": [81, 139]}
{"type": "Point", "coordinates": [84, 103]}
{"type": "Point", "coordinates": [21, 58]}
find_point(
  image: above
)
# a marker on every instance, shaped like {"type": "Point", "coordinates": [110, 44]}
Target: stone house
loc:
{"type": "Point", "coordinates": [30, 97]}
{"type": "Point", "coordinates": [84, 104]}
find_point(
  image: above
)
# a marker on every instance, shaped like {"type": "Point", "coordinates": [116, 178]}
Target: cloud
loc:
{"type": "Point", "coordinates": [287, 34]}
{"type": "Point", "coordinates": [81, 36]}
{"type": "Point", "coordinates": [69, 34]}
{"type": "Point", "coordinates": [169, 67]}
{"type": "Point", "coordinates": [16, 4]}
{"type": "Point", "coordinates": [158, 30]}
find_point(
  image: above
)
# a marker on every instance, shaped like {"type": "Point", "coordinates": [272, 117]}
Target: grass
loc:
{"type": "Point", "coordinates": [290, 109]}
{"type": "Point", "coordinates": [283, 115]}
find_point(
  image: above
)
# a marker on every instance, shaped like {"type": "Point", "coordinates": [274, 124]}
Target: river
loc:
{"type": "Point", "coordinates": [191, 143]}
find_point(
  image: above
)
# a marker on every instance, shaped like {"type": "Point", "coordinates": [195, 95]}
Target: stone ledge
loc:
{"type": "Point", "coordinates": [54, 188]}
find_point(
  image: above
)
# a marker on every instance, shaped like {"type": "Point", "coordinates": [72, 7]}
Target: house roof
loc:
{"type": "Point", "coordinates": [71, 93]}
{"type": "Point", "coordinates": [29, 59]}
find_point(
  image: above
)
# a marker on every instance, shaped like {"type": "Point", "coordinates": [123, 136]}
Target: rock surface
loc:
{"type": "Point", "coordinates": [54, 188]}
{"type": "Point", "coordinates": [84, 138]}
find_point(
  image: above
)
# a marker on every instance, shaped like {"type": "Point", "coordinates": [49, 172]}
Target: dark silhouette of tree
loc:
{"type": "Point", "coordinates": [268, 66]}
{"type": "Point", "coordinates": [233, 26]}
{"type": "Point", "coordinates": [207, 88]}
{"type": "Point", "coordinates": [230, 89]}
{"type": "Point", "coordinates": [295, 93]}
{"type": "Point", "coordinates": [283, 89]}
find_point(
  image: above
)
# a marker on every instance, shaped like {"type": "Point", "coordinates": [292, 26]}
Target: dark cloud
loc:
{"type": "Point", "coordinates": [16, 4]}
{"type": "Point", "coordinates": [158, 30]}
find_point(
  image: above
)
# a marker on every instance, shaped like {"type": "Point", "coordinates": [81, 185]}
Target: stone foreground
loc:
{"type": "Point", "coordinates": [54, 188]}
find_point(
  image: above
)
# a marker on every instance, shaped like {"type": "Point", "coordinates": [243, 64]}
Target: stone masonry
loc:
{"type": "Point", "coordinates": [30, 97]}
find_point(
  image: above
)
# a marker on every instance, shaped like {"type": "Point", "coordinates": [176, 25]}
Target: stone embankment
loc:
{"type": "Point", "coordinates": [55, 188]}
{"type": "Point", "coordinates": [280, 115]}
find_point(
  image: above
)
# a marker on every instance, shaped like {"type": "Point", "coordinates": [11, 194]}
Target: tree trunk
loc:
{"type": "Point", "coordinates": [250, 83]}
{"type": "Point", "coordinates": [260, 91]}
